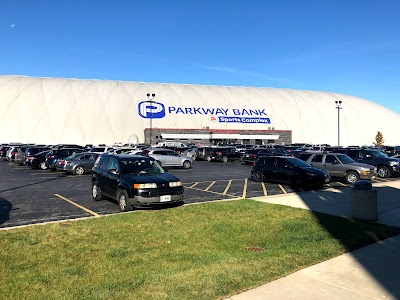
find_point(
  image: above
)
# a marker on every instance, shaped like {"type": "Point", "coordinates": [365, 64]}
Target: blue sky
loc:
{"type": "Point", "coordinates": [350, 47]}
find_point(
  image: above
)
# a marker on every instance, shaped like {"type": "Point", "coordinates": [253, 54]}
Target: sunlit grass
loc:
{"type": "Point", "coordinates": [202, 251]}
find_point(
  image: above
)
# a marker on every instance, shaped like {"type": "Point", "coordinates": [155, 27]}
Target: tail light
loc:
{"type": "Point", "coordinates": [62, 162]}
{"type": "Point", "coordinates": [52, 156]}
{"type": "Point", "coordinates": [218, 153]}
{"type": "Point", "coordinates": [254, 155]}
{"type": "Point", "coordinates": [30, 158]}
{"type": "Point", "coordinates": [14, 152]}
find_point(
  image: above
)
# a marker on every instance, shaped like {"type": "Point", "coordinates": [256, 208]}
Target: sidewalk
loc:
{"type": "Point", "coordinates": [371, 272]}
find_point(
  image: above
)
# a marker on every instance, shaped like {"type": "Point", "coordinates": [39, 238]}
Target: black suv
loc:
{"type": "Point", "coordinates": [134, 181]}
{"type": "Point", "coordinates": [224, 154]}
{"type": "Point", "coordinates": [386, 166]}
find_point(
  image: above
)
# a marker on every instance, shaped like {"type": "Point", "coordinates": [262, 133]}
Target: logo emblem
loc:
{"type": "Point", "coordinates": [213, 119]}
{"type": "Point", "coordinates": [151, 109]}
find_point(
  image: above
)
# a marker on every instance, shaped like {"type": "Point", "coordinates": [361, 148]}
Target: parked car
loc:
{"type": "Point", "coordinates": [386, 166]}
{"type": "Point", "coordinates": [3, 152]}
{"type": "Point", "coordinates": [203, 153]}
{"type": "Point", "coordinates": [134, 181]}
{"type": "Point", "coordinates": [54, 155]}
{"type": "Point", "coordinates": [169, 158]}
{"type": "Point", "coordinates": [77, 164]}
{"type": "Point", "coordinates": [290, 170]}
{"type": "Point", "coordinates": [224, 154]}
{"type": "Point", "coordinates": [100, 149]}
{"type": "Point", "coordinates": [29, 152]}
{"type": "Point", "coordinates": [38, 161]}
{"type": "Point", "coordinates": [390, 151]}
{"type": "Point", "coordinates": [251, 155]}
{"type": "Point", "coordinates": [340, 165]}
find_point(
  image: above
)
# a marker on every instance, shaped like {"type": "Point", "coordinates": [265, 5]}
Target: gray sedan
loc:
{"type": "Point", "coordinates": [77, 164]}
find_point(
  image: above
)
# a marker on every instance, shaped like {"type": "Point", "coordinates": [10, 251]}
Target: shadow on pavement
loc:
{"type": "Point", "coordinates": [5, 208]}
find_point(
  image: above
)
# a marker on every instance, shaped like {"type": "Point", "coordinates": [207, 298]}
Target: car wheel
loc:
{"type": "Point", "coordinates": [42, 166]}
{"type": "Point", "coordinates": [383, 172]}
{"type": "Point", "coordinates": [79, 170]}
{"type": "Point", "coordinates": [186, 164]}
{"type": "Point", "coordinates": [258, 176]}
{"type": "Point", "coordinates": [352, 177]}
{"type": "Point", "coordinates": [122, 198]}
{"type": "Point", "coordinates": [224, 159]}
{"type": "Point", "coordinates": [96, 191]}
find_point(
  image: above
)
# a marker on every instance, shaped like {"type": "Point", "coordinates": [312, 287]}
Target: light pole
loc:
{"type": "Point", "coordinates": [338, 107]}
{"type": "Point", "coordinates": [151, 98]}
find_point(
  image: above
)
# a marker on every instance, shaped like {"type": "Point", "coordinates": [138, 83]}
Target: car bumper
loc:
{"type": "Point", "coordinates": [395, 169]}
{"type": "Point", "coordinates": [367, 176]}
{"type": "Point", "coordinates": [145, 198]}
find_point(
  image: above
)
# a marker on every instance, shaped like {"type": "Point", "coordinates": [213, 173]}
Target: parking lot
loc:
{"type": "Point", "coordinates": [30, 196]}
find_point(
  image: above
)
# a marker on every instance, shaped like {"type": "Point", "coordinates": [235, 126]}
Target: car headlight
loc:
{"type": "Point", "coordinates": [365, 172]}
{"type": "Point", "coordinates": [145, 185]}
{"type": "Point", "coordinates": [394, 163]}
{"type": "Point", "coordinates": [175, 183]}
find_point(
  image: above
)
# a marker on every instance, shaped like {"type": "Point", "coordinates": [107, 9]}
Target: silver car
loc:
{"type": "Point", "coordinates": [77, 164]}
{"type": "Point", "coordinates": [170, 158]}
{"type": "Point", "coordinates": [340, 165]}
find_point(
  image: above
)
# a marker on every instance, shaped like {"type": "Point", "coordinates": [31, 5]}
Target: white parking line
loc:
{"type": "Point", "coordinates": [192, 186]}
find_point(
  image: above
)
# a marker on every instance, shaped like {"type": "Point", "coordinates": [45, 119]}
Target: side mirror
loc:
{"type": "Point", "coordinates": [113, 171]}
{"type": "Point", "coordinates": [166, 169]}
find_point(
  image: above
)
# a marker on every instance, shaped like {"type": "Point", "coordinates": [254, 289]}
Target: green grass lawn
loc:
{"type": "Point", "coordinates": [204, 251]}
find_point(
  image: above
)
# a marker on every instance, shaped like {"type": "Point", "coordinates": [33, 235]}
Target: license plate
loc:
{"type": "Point", "coordinates": [165, 198]}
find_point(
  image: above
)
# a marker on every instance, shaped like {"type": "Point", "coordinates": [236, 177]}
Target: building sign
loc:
{"type": "Point", "coordinates": [156, 110]}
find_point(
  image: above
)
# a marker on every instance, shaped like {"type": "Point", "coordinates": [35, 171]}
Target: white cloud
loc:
{"type": "Point", "coordinates": [12, 26]}
{"type": "Point", "coordinates": [244, 73]}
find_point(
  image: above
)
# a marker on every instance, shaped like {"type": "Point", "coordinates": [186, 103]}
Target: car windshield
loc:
{"type": "Point", "coordinates": [141, 166]}
{"type": "Point", "coordinates": [345, 159]}
{"type": "Point", "coordinates": [377, 154]}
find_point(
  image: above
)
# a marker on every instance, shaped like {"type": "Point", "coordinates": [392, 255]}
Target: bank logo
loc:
{"type": "Point", "coordinates": [151, 109]}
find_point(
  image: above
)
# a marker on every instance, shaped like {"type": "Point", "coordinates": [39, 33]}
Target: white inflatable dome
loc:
{"type": "Point", "coordinates": [58, 110]}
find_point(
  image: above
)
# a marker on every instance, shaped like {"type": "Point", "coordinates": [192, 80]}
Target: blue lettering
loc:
{"type": "Point", "coordinates": [180, 110]}
{"type": "Point", "coordinates": [171, 109]}
{"type": "Point", "coordinates": [236, 112]}
{"type": "Point", "coordinates": [219, 111]}
{"type": "Point", "coordinates": [208, 111]}
{"type": "Point", "coordinates": [261, 112]}
{"type": "Point", "coordinates": [196, 110]}
{"type": "Point", "coordinates": [188, 110]}
{"type": "Point", "coordinates": [245, 112]}
{"type": "Point", "coordinates": [253, 112]}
